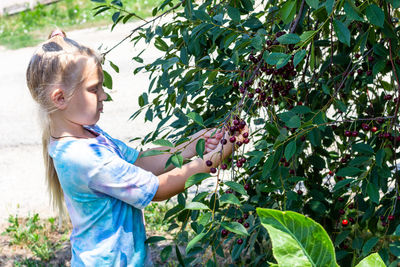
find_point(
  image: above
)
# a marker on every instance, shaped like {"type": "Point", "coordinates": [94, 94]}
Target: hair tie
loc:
{"type": "Point", "coordinates": [57, 32]}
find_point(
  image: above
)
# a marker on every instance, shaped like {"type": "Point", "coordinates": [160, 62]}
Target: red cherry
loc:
{"type": "Point", "coordinates": [245, 215]}
{"type": "Point", "coordinates": [224, 232]}
{"type": "Point", "coordinates": [239, 164]}
{"type": "Point", "coordinates": [213, 170]}
{"type": "Point", "coordinates": [341, 212]}
{"type": "Point", "coordinates": [246, 140]}
{"type": "Point", "coordinates": [236, 122]}
{"type": "Point", "coordinates": [374, 129]}
{"type": "Point", "coordinates": [331, 173]}
{"type": "Point", "coordinates": [345, 222]}
{"type": "Point", "coordinates": [232, 139]}
{"type": "Point", "coordinates": [246, 187]}
{"type": "Point", "coordinates": [224, 166]}
{"type": "Point", "coordinates": [209, 163]}
{"type": "Point", "coordinates": [239, 241]}
{"type": "Point", "coordinates": [240, 220]}
{"type": "Point", "coordinates": [246, 225]}
{"type": "Point", "coordinates": [223, 141]}
{"type": "Point", "coordinates": [300, 192]}
{"type": "Point", "coordinates": [245, 135]}
{"type": "Point", "coordinates": [239, 143]}
{"type": "Point", "coordinates": [391, 217]}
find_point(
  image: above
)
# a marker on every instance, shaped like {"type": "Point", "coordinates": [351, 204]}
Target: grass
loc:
{"type": "Point", "coordinates": [31, 27]}
{"type": "Point", "coordinates": [42, 243]}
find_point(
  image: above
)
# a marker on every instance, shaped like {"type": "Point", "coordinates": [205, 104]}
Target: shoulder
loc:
{"type": "Point", "coordinates": [80, 152]}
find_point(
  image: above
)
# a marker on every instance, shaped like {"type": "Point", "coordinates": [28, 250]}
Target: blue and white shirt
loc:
{"type": "Point", "coordinates": [104, 194]}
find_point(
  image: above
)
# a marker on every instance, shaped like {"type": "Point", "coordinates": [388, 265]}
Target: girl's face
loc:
{"type": "Point", "coordinates": [86, 103]}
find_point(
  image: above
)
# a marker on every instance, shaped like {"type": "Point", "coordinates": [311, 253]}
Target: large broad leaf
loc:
{"type": "Point", "coordinates": [296, 239]}
{"type": "Point", "coordinates": [373, 260]}
{"type": "Point", "coordinates": [196, 178]}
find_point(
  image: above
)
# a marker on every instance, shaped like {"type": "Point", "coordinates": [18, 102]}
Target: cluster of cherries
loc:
{"type": "Point", "coordinates": [237, 126]}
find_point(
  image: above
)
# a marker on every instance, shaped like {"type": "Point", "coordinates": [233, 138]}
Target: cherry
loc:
{"type": "Point", "coordinates": [340, 199]}
{"type": "Point", "coordinates": [246, 225]}
{"type": "Point", "coordinates": [382, 218]}
{"type": "Point", "coordinates": [354, 133]}
{"type": "Point", "coordinates": [213, 170]}
{"type": "Point", "coordinates": [351, 206]}
{"type": "Point", "coordinates": [209, 163]}
{"type": "Point", "coordinates": [239, 164]}
{"type": "Point", "coordinates": [345, 222]}
{"type": "Point", "coordinates": [360, 71]}
{"type": "Point", "coordinates": [374, 129]}
{"type": "Point", "coordinates": [224, 232]}
{"type": "Point", "coordinates": [245, 135]}
{"type": "Point", "coordinates": [240, 220]}
{"type": "Point", "coordinates": [224, 166]}
{"type": "Point", "coordinates": [369, 72]}
{"type": "Point", "coordinates": [239, 241]}
{"type": "Point", "coordinates": [246, 140]}
{"type": "Point", "coordinates": [347, 133]}
{"type": "Point", "coordinates": [232, 139]}
{"type": "Point", "coordinates": [229, 191]}
{"type": "Point", "coordinates": [245, 215]}
{"type": "Point", "coordinates": [300, 192]}
{"type": "Point", "coordinates": [242, 160]}
{"type": "Point", "coordinates": [258, 90]}
{"type": "Point", "coordinates": [236, 122]}
{"type": "Point", "coordinates": [330, 173]}
{"type": "Point", "coordinates": [365, 127]}
{"type": "Point", "coordinates": [224, 141]}
{"type": "Point", "coordinates": [291, 171]}
{"type": "Point", "coordinates": [239, 143]}
{"type": "Point", "coordinates": [341, 211]}
{"type": "Point", "coordinates": [246, 187]}
{"type": "Point", "coordinates": [370, 58]}
{"type": "Point", "coordinates": [391, 217]}
{"type": "Point", "coordinates": [351, 220]}
{"type": "Point", "coordinates": [357, 56]}
{"type": "Point", "coordinates": [286, 164]}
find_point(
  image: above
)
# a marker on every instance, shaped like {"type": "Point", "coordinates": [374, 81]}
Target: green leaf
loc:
{"type": "Point", "coordinates": [298, 57]}
{"type": "Point", "coordinates": [107, 82]}
{"type": "Point", "coordinates": [342, 183]}
{"type": "Point", "coordinates": [289, 38]}
{"type": "Point", "coordinates": [306, 36]}
{"type": "Point", "coordinates": [196, 178]}
{"type": "Point", "coordinates": [276, 57]}
{"type": "Point", "coordinates": [313, 3]}
{"type": "Point", "coordinates": [290, 150]}
{"type": "Point", "coordinates": [363, 148]}
{"type": "Point", "coordinates": [115, 67]}
{"type": "Point", "coordinates": [352, 12]}
{"type": "Point", "coordinates": [373, 193]}
{"type": "Point", "coordinates": [196, 118]}
{"type": "Point", "coordinates": [341, 237]}
{"type": "Point", "coordinates": [152, 152]}
{"type": "Point", "coordinates": [380, 156]}
{"type": "Point", "coordinates": [294, 122]}
{"type": "Point", "coordinates": [315, 137]}
{"type": "Point", "coordinates": [177, 160]}
{"type": "Point", "coordinates": [196, 206]}
{"type": "Point", "coordinates": [373, 260]}
{"type": "Point", "coordinates": [235, 227]}
{"type": "Point", "coordinates": [230, 199]}
{"type": "Point", "coordinates": [342, 33]}
{"type": "Point", "coordinates": [163, 142]}
{"type": "Point", "coordinates": [296, 239]}
{"type": "Point", "coordinates": [234, 13]}
{"type": "Point", "coordinates": [394, 3]}
{"type": "Point", "coordinates": [192, 242]}
{"type": "Point", "coordinates": [288, 11]}
{"type": "Point", "coordinates": [154, 239]}
{"type": "Point", "coordinates": [272, 130]}
{"type": "Point", "coordinates": [236, 187]}
{"type": "Point", "coordinates": [369, 245]}
{"type": "Point", "coordinates": [200, 147]}
{"type": "Point", "coordinates": [166, 252]}
{"type": "Point", "coordinates": [115, 16]}
{"type": "Point", "coordinates": [375, 15]}
{"type": "Point", "coordinates": [348, 171]}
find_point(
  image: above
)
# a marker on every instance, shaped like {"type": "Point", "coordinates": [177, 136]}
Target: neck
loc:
{"type": "Point", "coordinates": [60, 127]}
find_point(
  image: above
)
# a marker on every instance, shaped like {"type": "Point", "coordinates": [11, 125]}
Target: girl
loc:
{"type": "Point", "coordinates": [104, 182]}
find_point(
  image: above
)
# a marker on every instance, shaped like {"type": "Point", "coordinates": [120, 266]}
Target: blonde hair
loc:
{"type": "Point", "coordinates": [55, 63]}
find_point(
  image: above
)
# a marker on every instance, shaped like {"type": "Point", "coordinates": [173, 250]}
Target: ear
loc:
{"type": "Point", "coordinates": [58, 98]}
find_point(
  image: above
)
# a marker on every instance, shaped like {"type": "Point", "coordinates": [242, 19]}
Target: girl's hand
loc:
{"type": "Point", "coordinates": [212, 141]}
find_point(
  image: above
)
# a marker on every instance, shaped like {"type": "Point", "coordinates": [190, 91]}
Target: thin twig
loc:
{"type": "Point", "coordinates": [141, 26]}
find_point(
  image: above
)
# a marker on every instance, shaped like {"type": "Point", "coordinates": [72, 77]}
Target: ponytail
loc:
{"type": "Point", "coordinates": [53, 184]}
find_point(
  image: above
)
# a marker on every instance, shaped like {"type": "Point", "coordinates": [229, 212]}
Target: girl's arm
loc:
{"type": "Point", "coordinates": [173, 182]}
{"type": "Point", "coordinates": [156, 164]}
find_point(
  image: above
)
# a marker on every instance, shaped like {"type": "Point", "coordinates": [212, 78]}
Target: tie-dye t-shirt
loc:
{"type": "Point", "coordinates": [104, 194]}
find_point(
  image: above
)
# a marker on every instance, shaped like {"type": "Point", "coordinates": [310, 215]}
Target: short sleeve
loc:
{"type": "Point", "coordinates": [122, 180]}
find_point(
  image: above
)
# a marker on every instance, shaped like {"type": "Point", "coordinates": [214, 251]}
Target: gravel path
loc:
{"type": "Point", "coordinates": [23, 190]}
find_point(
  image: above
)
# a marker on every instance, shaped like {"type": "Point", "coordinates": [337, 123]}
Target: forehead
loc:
{"type": "Point", "coordinates": [92, 72]}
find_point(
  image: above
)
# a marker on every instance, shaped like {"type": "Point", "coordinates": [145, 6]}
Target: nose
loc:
{"type": "Point", "coordinates": [103, 95]}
